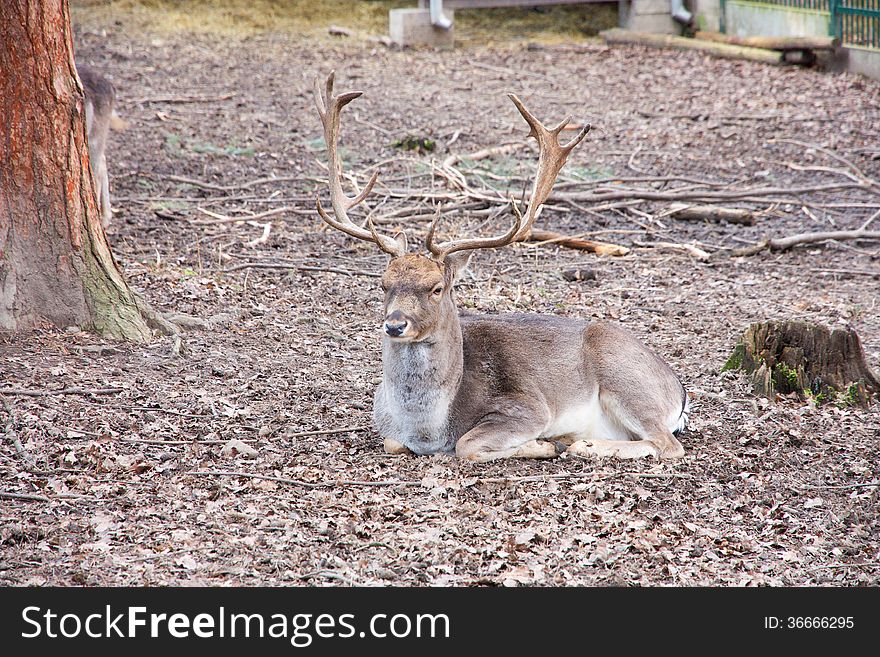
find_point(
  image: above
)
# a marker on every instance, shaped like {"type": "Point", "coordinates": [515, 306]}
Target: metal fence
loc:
{"type": "Point", "coordinates": [808, 5]}
{"type": "Point", "coordinates": [856, 22]}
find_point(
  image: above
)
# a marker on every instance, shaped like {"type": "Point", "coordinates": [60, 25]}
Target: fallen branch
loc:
{"type": "Point", "coordinates": [785, 243]}
{"type": "Point", "coordinates": [711, 213]}
{"type": "Point", "coordinates": [772, 42]}
{"type": "Point", "coordinates": [690, 249]}
{"type": "Point", "coordinates": [64, 391]}
{"type": "Point", "coordinates": [332, 270]}
{"type": "Point", "coordinates": [404, 482]}
{"type": "Point", "coordinates": [850, 272]}
{"type": "Point", "coordinates": [292, 482]}
{"type": "Point", "coordinates": [701, 195]}
{"type": "Point", "coordinates": [872, 484]}
{"type": "Point", "coordinates": [262, 239]}
{"type": "Point", "coordinates": [217, 218]}
{"type": "Point", "coordinates": [180, 99]}
{"type": "Point", "coordinates": [230, 188]}
{"type": "Point", "coordinates": [324, 432]}
{"type": "Point", "coordinates": [600, 248]}
{"type": "Point", "coordinates": [723, 50]}
{"type": "Point", "coordinates": [834, 156]}
{"type": "Point", "coordinates": [503, 149]}
{"type": "Point", "coordinates": [10, 435]}
{"type": "Point", "coordinates": [42, 498]}
{"type": "Point", "coordinates": [846, 565]}
{"type": "Point", "coordinates": [24, 496]}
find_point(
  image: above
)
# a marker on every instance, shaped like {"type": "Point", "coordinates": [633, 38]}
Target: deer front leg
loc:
{"type": "Point", "coordinates": [506, 437]}
{"type": "Point", "coordinates": [394, 447]}
{"type": "Point", "coordinates": [103, 184]}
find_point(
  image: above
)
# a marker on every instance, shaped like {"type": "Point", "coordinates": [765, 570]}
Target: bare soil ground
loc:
{"type": "Point", "coordinates": [769, 493]}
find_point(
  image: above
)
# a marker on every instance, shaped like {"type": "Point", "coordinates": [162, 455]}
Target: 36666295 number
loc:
{"type": "Point", "coordinates": [819, 622]}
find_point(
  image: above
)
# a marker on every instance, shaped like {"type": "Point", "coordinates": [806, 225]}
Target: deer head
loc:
{"type": "Point", "coordinates": [419, 287]}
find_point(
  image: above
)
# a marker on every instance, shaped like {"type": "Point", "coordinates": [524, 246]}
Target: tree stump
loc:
{"type": "Point", "coordinates": [807, 359]}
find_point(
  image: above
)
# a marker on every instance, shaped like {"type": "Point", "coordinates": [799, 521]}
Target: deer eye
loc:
{"type": "Point", "coordinates": [437, 291]}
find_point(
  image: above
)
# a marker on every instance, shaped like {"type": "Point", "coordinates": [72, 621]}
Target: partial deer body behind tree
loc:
{"type": "Point", "coordinates": [509, 385]}
{"type": "Point", "coordinates": [100, 96]}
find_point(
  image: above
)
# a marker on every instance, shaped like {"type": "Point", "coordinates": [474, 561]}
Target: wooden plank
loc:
{"type": "Point", "coordinates": [723, 50]}
{"type": "Point", "coordinates": [773, 42]}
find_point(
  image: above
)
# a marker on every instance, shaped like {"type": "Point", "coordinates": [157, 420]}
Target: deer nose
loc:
{"type": "Point", "coordinates": [395, 328]}
{"type": "Point", "coordinates": [395, 324]}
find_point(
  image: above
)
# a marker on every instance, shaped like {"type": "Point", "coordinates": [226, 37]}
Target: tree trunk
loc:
{"type": "Point", "coordinates": [723, 50]}
{"type": "Point", "coordinates": [773, 42]}
{"type": "Point", "coordinates": [55, 263]}
{"type": "Point", "coordinates": [807, 359]}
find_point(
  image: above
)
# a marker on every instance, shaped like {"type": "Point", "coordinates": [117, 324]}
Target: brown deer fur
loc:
{"type": "Point", "coordinates": [100, 97]}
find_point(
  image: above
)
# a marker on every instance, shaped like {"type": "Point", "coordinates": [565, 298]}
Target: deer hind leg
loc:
{"type": "Point", "coordinates": [659, 443]}
{"type": "Point", "coordinates": [649, 437]}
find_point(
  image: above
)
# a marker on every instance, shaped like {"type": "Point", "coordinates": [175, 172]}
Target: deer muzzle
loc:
{"type": "Point", "coordinates": [396, 325]}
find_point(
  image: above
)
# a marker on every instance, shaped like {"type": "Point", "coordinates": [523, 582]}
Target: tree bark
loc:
{"type": "Point", "coordinates": [55, 262]}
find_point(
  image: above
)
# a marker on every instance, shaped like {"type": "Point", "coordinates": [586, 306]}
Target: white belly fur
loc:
{"type": "Point", "coordinates": [585, 421]}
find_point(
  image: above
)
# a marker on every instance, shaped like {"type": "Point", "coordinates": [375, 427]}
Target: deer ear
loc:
{"type": "Point", "coordinates": [456, 263]}
{"type": "Point", "coordinates": [400, 238]}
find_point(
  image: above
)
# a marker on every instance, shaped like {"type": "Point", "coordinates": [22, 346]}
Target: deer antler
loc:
{"type": "Point", "coordinates": [551, 159]}
{"type": "Point", "coordinates": [330, 108]}
{"type": "Point", "coordinates": [440, 251]}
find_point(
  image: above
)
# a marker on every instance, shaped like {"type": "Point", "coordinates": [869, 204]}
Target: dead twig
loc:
{"type": "Point", "coordinates": [502, 149]}
{"type": "Point", "coordinates": [230, 188]}
{"type": "Point", "coordinates": [784, 243]}
{"type": "Point", "coordinates": [262, 239]}
{"type": "Point", "coordinates": [250, 475]}
{"type": "Point", "coordinates": [42, 498]}
{"type": "Point", "coordinates": [64, 391]}
{"type": "Point", "coordinates": [544, 237]}
{"type": "Point", "coordinates": [218, 218]}
{"type": "Point", "coordinates": [870, 484]}
{"type": "Point", "coordinates": [827, 151]}
{"type": "Point", "coordinates": [690, 249]}
{"type": "Point", "coordinates": [179, 99]}
{"type": "Point", "coordinates": [687, 212]}
{"type": "Point", "coordinates": [10, 435]}
{"type": "Point", "coordinates": [403, 482]}
{"type": "Point", "coordinates": [324, 432]}
{"type": "Point", "coordinates": [702, 195]}
{"type": "Point", "coordinates": [24, 496]}
{"type": "Point", "coordinates": [332, 270]}
{"type": "Point", "coordinates": [853, 272]}
{"type": "Point", "coordinates": [329, 574]}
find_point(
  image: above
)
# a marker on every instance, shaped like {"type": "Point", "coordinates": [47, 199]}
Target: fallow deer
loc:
{"type": "Point", "coordinates": [100, 97]}
{"type": "Point", "coordinates": [506, 385]}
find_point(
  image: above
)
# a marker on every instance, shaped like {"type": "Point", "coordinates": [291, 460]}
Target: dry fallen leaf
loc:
{"type": "Point", "coordinates": [236, 447]}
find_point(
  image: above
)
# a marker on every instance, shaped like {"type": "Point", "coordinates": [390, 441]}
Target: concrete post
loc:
{"type": "Point", "coordinates": [412, 27]}
{"type": "Point", "coordinates": [648, 16]}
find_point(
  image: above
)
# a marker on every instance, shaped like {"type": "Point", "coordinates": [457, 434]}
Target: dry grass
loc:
{"type": "Point", "coordinates": [365, 17]}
